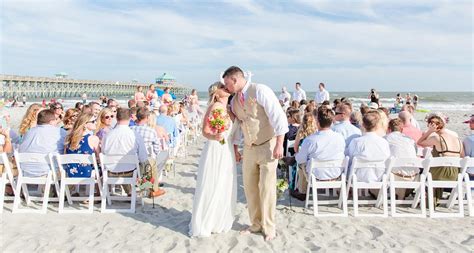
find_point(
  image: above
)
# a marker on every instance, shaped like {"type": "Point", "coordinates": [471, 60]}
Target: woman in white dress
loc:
{"type": "Point", "coordinates": [215, 196]}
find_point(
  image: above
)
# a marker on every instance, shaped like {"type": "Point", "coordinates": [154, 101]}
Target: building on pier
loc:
{"type": "Point", "coordinates": [166, 80]}
{"type": "Point", "coordinates": [46, 87]}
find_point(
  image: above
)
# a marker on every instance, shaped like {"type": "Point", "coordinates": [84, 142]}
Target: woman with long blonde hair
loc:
{"type": "Point", "coordinates": [81, 141]}
{"type": "Point", "coordinates": [29, 120]}
{"type": "Point", "coordinates": [104, 122]}
{"type": "Point", "coordinates": [70, 118]}
{"type": "Point", "coordinates": [307, 128]}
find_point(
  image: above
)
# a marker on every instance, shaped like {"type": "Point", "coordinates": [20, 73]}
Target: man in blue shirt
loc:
{"type": "Point", "coordinates": [469, 147]}
{"type": "Point", "coordinates": [45, 138]}
{"type": "Point", "coordinates": [168, 124]}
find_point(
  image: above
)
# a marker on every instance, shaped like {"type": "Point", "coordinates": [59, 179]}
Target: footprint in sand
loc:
{"type": "Point", "coordinates": [376, 233]}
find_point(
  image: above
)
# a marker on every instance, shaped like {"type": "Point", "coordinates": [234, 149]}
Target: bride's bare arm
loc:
{"type": "Point", "coordinates": [206, 128]}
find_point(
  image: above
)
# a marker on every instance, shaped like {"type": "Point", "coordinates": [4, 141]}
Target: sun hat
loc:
{"type": "Point", "coordinates": [373, 105]}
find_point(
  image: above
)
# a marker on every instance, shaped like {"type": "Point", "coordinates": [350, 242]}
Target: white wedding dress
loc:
{"type": "Point", "coordinates": [215, 196]}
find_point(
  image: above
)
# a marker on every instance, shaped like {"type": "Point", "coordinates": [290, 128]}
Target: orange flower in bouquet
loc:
{"type": "Point", "coordinates": [218, 120]}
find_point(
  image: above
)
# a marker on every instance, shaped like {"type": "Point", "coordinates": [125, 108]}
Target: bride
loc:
{"type": "Point", "coordinates": [215, 196]}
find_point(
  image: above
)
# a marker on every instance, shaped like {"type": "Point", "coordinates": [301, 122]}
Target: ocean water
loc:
{"type": "Point", "coordinates": [432, 101]}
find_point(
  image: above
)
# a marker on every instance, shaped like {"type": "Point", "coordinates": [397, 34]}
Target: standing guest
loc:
{"type": "Point", "coordinates": [370, 147]}
{"type": "Point", "coordinates": [167, 99]}
{"type": "Point", "coordinates": [408, 99]}
{"type": "Point", "coordinates": [468, 144]}
{"type": "Point", "coordinates": [401, 146]}
{"type": "Point", "coordinates": [139, 96]}
{"type": "Point", "coordinates": [308, 127]}
{"type": "Point", "coordinates": [45, 138]}
{"type": "Point", "coordinates": [194, 103]}
{"type": "Point", "coordinates": [81, 141]}
{"type": "Point", "coordinates": [168, 124]}
{"type": "Point", "coordinates": [70, 118]}
{"type": "Point", "coordinates": [79, 106]}
{"type": "Point", "coordinates": [408, 129]}
{"type": "Point", "coordinates": [294, 121]}
{"type": "Point", "coordinates": [104, 123]}
{"type": "Point", "coordinates": [445, 144]}
{"type": "Point", "coordinates": [415, 101]}
{"type": "Point", "coordinates": [322, 94]}
{"type": "Point", "coordinates": [58, 110]}
{"type": "Point", "coordinates": [323, 145]}
{"type": "Point", "coordinates": [343, 125]}
{"type": "Point", "coordinates": [151, 96]}
{"type": "Point", "coordinates": [374, 97]}
{"type": "Point", "coordinates": [156, 155]}
{"type": "Point", "coordinates": [29, 120]}
{"type": "Point", "coordinates": [95, 107]}
{"type": "Point", "coordinates": [285, 96]}
{"type": "Point", "coordinates": [299, 94]}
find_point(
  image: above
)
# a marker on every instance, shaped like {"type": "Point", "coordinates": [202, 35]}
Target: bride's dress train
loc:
{"type": "Point", "coordinates": [216, 189]}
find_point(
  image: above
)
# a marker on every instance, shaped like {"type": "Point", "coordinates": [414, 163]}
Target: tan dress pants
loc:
{"type": "Point", "coordinates": [259, 174]}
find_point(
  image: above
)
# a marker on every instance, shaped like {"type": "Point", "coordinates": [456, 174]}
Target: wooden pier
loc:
{"type": "Point", "coordinates": [50, 87]}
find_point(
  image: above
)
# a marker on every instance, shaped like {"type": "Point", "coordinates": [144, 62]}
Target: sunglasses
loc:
{"type": "Point", "coordinates": [338, 113]}
{"type": "Point", "coordinates": [58, 108]}
{"type": "Point", "coordinates": [109, 117]}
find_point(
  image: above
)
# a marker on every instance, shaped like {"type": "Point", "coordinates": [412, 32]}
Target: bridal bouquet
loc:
{"type": "Point", "coordinates": [218, 122]}
{"type": "Point", "coordinates": [144, 183]}
{"type": "Point", "coordinates": [281, 186]}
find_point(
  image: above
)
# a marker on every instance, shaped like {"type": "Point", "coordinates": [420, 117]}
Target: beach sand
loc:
{"type": "Point", "coordinates": [165, 227]}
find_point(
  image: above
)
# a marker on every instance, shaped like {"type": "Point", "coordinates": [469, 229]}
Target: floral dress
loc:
{"type": "Point", "coordinates": [76, 169]}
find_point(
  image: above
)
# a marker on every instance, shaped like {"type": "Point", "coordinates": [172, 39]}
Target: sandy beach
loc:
{"type": "Point", "coordinates": [164, 228]}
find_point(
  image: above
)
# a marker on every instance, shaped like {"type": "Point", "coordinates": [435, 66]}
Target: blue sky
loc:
{"type": "Point", "coordinates": [349, 45]}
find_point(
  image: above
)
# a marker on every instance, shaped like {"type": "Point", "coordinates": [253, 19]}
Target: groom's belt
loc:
{"type": "Point", "coordinates": [256, 145]}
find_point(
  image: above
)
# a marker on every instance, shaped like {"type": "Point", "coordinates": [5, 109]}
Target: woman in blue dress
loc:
{"type": "Point", "coordinates": [81, 140]}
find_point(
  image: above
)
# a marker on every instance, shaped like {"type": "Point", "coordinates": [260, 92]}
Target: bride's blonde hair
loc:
{"type": "Point", "coordinates": [212, 91]}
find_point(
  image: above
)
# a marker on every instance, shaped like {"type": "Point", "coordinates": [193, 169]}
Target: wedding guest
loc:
{"type": "Point", "coordinates": [133, 116]}
{"type": "Point", "coordinates": [123, 141]}
{"type": "Point", "coordinates": [401, 146]}
{"type": "Point", "coordinates": [166, 98]}
{"type": "Point", "coordinates": [139, 96]}
{"type": "Point", "coordinates": [294, 121]}
{"type": "Point", "coordinates": [374, 97]}
{"type": "Point", "coordinates": [310, 107]}
{"type": "Point", "coordinates": [294, 105]}
{"type": "Point", "coordinates": [307, 128]}
{"type": "Point", "coordinates": [151, 96]}
{"type": "Point", "coordinates": [445, 144]}
{"type": "Point", "coordinates": [370, 147]}
{"type": "Point", "coordinates": [468, 144]}
{"type": "Point", "coordinates": [69, 118]}
{"type": "Point", "coordinates": [131, 103]}
{"type": "Point", "coordinates": [168, 124]}
{"type": "Point", "coordinates": [45, 138]}
{"type": "Point", "coordinates": [323, 145]}
{"type": "Point", "coordinates": [284, 96]}
{"type": "Point", "coordinates": [364, 109]}
{"type": "Point", "coordinates": [356, 119]}
{"type": "Point", "coordinates": [408, 128]}
{"type": "Point", "coordinates": [112, 104]}
{"type": "Point", "coordinates": [29, 119]}
{"type": "Point", "coordinates": [343, 125]}
{"type": "Point", "coordinates": [160, 131]}
{"type": "Point", "coordinates": [79, 106]}
{"type": "Point", "coordinates": [81, 140]}
{"type": "Point", "coordinates": [411, 109]}
{"type": "Point", "coordinates": [104, 123]}
{"type": "Point", "coordinates": [322, 94]}
{"type": "Point", "coordinates": [95, 107]}
{"type": "Point", "coordinates": [156, 155]}
{"type": "Point", "coordinates": [299, 94]}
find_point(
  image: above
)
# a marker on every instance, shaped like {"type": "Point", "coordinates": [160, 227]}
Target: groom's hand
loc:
{"type": "Point", "coordinates": [278, 152]}
{"type": "Point", "coordinates": [238, 156]}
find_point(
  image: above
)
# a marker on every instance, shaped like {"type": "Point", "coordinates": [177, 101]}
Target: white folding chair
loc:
{"type": "Point", "coordinates": [455, 185]}
{"type": "Point", "coordinates": [338, 184]}
{"type": "Point", "coordinates": [7, 177]}
{"type": "Point", "coordinates": [90, 182]}
{"type": "Point", "coordinates": [359, 164]}
{"type": "Point", "coordinates": [419, 186]}
{"type": "Point", "coordinates": [466, 163]}
{"type": "Point", "coordinates": [106, 196]}
{"type": "Point", "coordinates": [23, 181]}
{"type": "Point", "coordinates": [289, 144]}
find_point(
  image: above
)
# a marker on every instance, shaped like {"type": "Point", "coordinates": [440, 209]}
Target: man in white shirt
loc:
{"type": "Point", "coordinates": [123, 141]}
{"type": "Point", "coordinates": [299, 94]}
{"type": "Point", "coordinates": [284, 96]}
{"type": "Point", "coordinates": [343, 124]}
{"type": "Point", "coordinates": [323, 145]}
{"type": "Point", "coordinates": [370, 147]}
{"type": "Point", "coordinates": [322, 94]}
{"type": "Point", "coordinates": [401, 146]}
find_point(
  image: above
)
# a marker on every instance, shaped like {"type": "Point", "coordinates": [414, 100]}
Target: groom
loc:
{"type": "Point", "coordinates": [264, 125]}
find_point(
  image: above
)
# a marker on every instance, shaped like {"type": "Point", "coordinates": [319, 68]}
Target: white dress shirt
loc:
{"type": "Point", "coordinates": [404, 147]}
{"type": "Point", "coordinates": [323, 145]}
{"type": "Point", "coordinates": [347, 130]}
{"type": "Point", "coordinates": [299, 95]}
{"type": "Point", "coordinates": [268, 100]}
{"type": "Point", "coordinates": [123, 141]}
{"type": "Point", "coordinates": [321, 96]}
{"type": "Point", "coordinates": [285, 96]}
{"type": "Point", "coordinates": [369, 147]}
{"type": "Point", "coordinates": [468, 143]}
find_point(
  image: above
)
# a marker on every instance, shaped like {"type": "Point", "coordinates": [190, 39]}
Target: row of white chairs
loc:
{"type": "Point", "coordinates": [61, 182]}
{"type": "Point", "coordinates": [388, 181]}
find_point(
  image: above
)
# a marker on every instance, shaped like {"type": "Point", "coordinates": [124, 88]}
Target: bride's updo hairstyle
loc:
{"type": "Point", "coordinates": [212, 91]}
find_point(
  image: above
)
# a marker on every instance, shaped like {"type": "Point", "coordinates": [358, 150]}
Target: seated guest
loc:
{"type": "Point", "coordinates": [401, 146]}
{"type": "Point", "coordinates": [294, 121]}
{"type": "Point", "coordinates": [308, 127]}
{"type": "Point", "coordinates": [444, 144]}
{"type": "Point", "coordinates": [160, 131]}
{"type": "Point", "coordinates": [168, 124]}
{"type": "Point", "coordinates": [133, 116]}
{"type": "Point", "coordinates": [70, 118]}
{"type": "Point", "coordinates": [408, 129]}
{"type": "Point", "coordinates": [411, 109]}
{"type": "Point", "coordinates": [79, 106]}
{"type": "Point", "coordinates": [82, 141]}
{"type": "Point", "coordinates": [322, 145]}
{"type": "Point", "coordinates": [45, 138]}
{"type": "Point", "coordinates": [104, 123]}
{"type": "Point", "coordinates": [343, 124]}
{"type": "Point", "coordinates": [58, 110]}
{"type": "Point", "coordinates": [370, 147]}
{"type": "Point", "coordinates": [131, 103]}
{"type": "Point", "coordinates": [29, 119]}
{"type": "Point", "coordinates": [123, 141]}
{"type": "Point", "coordinates": [469, 147]}
{"type": "Point", "coordinates": [356, 119]}
{"type": "Point", "coordinates": [156, 156]}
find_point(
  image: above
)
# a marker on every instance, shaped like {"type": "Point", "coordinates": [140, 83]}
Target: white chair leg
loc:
{"type": "Point", "coordinates": [104, 196]}
{"type": "Point", "coordinates": [343, 198]}
{"type": "Point", "coordinates": [134, 198]}
{"type": "Point", "coordinates": [460, 196]}
{"type": "Point", "coordinates": [422, 193]}
{"type": "Point", "coordinates": [470, 208]}
{"type": "Point", "coordinates": [2, 191]}
{"type": "Point", "coordinates": [384, 195]}
{"type": "Point", "coordinates": [17, 199]}
{"type": "Point", "coordinates": [47, 189]}
{"type": "Point", "coordinates": [315, 196]}
{"type": "Point", "coordinates": [355, 197]}
{"type": "Point", "coordinates": [430, 198]}
{"type": "Point", "coordinates": [393, 199]}
{"type": "Point", "coordinates": [91, 197]}
{"type": "Point", "coordinates": [61, 196]}
{"type": "Point", "coordinates": [308, 188]}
